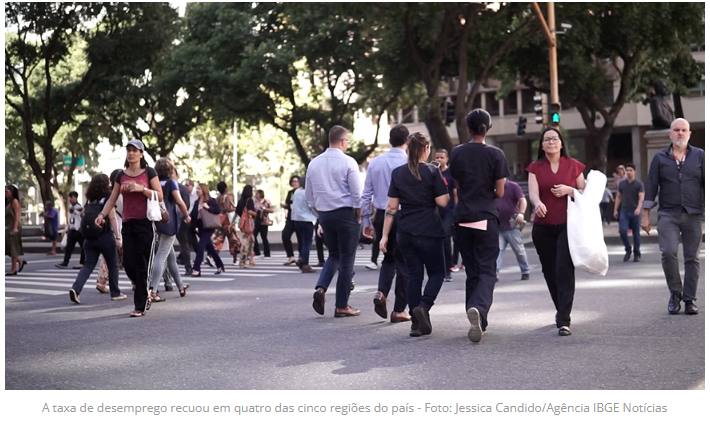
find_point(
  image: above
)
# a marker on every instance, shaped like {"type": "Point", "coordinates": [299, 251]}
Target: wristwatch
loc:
{"type": "Point", "coordinates": [145, 188]}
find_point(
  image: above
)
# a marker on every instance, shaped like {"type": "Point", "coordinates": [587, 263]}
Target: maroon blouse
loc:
{"type": "Point", "coordinates": [566, 174]}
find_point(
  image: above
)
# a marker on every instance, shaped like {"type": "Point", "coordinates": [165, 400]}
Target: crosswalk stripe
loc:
{"type": "Point", "coordinates": [34, 291]}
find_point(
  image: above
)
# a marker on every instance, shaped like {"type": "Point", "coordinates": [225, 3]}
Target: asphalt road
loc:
{"type": "Point", "coordinates": [255, 329]}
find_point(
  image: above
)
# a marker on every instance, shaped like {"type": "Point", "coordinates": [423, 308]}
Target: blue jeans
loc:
{"type": "Point", "coordinates": [165, 255]}
{"type": "Point", "coordinates": [106, 246]}
{"type": "Point", "coordinates": [306, 230]}
{"type": "Point", "coordinates": [627, 220]}
{"type": "Point", "coordinates": [420, 252]}
{"type": "Point", "coordinates": [341, 233]}
{"type": "Point", "coordinates": [515, 239]}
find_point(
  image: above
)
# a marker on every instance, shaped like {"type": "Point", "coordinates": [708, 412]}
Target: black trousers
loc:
{"type": "Point", "coordinates": [393, 263]}
{"type": "Point", "coordinates": [138, 237]}
{"type": "Point", "coordinates": [263, 231]}
{"type": "Point", "coordinates": [286, 234]}
{"type": "Point", "coordinates": [479, 253]}
{"type": "Point", "coordinates": [557, 267]}
{"type": "Point", "coordinates": [73, 236]}
{"type": "Point", "coordinates": [183, 238]}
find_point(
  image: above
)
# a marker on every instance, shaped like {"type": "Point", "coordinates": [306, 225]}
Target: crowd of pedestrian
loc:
{"type": "Point", "coordinates": [411, 207]}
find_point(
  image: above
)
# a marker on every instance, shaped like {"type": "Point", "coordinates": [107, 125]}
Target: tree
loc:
{"type": "Point", "coordinates": [296, 67]}
{"type": "Point", "coordinates": [612, 41]}
{"type": "Point", "coordinates": [38, 48]}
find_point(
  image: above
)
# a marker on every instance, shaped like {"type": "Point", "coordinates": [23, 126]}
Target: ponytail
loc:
{"type": "Point", "coordinates": [418, 141]}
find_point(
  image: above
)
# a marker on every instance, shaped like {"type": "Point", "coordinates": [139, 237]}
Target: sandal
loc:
{"type": "Point", "coordinates": [148, 303]}
{"type": "Point", "coordinates": [183, 291]}
{"type": "Point", "coordinates": [155, 298]}
{"type": "Point", "coordinates": [136, 314]}
{"type": "Point", "coordinates": [101, 288]}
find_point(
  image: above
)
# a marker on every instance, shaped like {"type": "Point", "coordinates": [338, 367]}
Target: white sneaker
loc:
{"type": "Point", "coordinates": [372, 266]}
{"type": "Point", "coordinates": [475, 333]}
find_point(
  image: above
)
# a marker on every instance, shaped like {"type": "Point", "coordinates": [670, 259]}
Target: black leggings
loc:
{"type": "Point", "coordinates": [557, 267]}
{"type": "Point", "coordinates": [138, 239]}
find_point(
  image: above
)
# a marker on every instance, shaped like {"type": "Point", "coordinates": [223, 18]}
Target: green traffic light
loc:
{"type": "Point", "coordinates": [555, 117]}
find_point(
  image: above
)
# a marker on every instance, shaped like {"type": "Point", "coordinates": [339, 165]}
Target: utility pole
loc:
{"type": "Point", "coordinates": [549, 29]}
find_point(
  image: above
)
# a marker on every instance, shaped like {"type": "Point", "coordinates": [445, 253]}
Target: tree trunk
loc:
{"type": "Point", "coordinates": [599, 140]}
{"type": "Point", "coordinates": [437, 130]}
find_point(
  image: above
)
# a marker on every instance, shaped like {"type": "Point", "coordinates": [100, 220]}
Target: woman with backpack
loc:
{"type": "Point", "coordinates": [246, 212]}
{"type": "Point", "coordinates": [206, 218]}
{"type": "Point", "coordinates": [136, 183]}
{"type": "Point", "coordinates": [101, 239]}
{"type": "Point", "coordinates": [165, 253]}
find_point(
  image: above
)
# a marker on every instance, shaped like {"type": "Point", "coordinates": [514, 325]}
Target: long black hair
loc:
{"type": "Point", "coordinates": [247, 192]}
{"type": "Point", "coordinates": [13, 190]}
{"type": "Point", "coordinates": [563, 150]}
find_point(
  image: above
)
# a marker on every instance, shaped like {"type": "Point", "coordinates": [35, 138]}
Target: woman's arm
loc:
{"type": "Point", "coordinates": [392, 207]}
{"type": "Point", "coordinates": [562, 190]}
{"type": "Point", "coordinates": [16, 210]}
{"type": "Point", "coordinates": [114, 226]}
{"type": "Point", "coordinates": [109, 206]}
{"type": "Point", "coordinates": [539, 209]}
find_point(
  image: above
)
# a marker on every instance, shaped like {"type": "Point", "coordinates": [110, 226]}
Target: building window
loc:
{"type": "Point", "coordinates": [698, 91]}
{"type": "Point", "coordinates": [510, 103]}
{"type": "Point", "coordinates": [492, 104]}
{"type": "Point", "coordinates": [477, 102]}
{"type": "Point", "coordinates": [528, 101]}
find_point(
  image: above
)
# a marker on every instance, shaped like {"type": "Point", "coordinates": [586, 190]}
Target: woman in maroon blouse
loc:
{"type": "Point", "coordinates": [551, 179]}
{"type": "Point", "coordinates": [136, 183]}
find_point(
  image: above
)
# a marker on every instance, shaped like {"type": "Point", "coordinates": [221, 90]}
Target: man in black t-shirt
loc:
{"type": "Point", "coordinates": [627, 209]}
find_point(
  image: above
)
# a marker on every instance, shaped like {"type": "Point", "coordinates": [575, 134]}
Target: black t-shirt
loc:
{"type": "Point", "coordinates": [418, 214]}
{"type": "Point", "coordinates": [477, 167]}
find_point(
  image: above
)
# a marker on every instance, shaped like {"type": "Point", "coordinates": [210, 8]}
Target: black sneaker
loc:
{"type": "Point", "coordinates": [74, 296]}
{"type": "Point", "coordinates": [627, 256]}
{"type": "Point", "coordinates": [637, 258]}
{"type": "Point", "coordinates": [422, 315]}
{"type": "Point", "coordinates": [62, 266]}
{"type": "Point", "coordinates": [168, 287]}
{"type": "Point", "coordinates": [525, 277]}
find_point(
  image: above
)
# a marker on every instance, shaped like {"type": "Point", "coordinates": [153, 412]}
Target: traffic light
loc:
{"type": "Point", "coordinates": [537, 99]}
{"type": "Point", "coordinates": [449, 112]}
{"type": "Point", "coordinates": [521, 125]}
{"type": "Point", "coordinates": [555, 113]}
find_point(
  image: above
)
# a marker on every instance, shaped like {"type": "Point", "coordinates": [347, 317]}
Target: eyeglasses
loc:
{"type": "Point", "coordinates": [551, 140]}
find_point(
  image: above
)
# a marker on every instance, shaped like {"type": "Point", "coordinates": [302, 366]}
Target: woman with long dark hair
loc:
{"type": "Point", "coordinates": [205, 204]}
{"type": "Point", "coordinates": [552, 178]}
{"type": "Point", "coordinates": [261, 223]}
{"type": "Point", "coordinates": [136, 183]}
{"type": "Point", "coordinates": [13, 230]}
{"type": "Point", "coordinates": [246, 226]}
{"type": "Point", "coordinates": [418, 188]}
{"type": "Point", "coordinates": [105, 244]}
{"type": "Point", "coordinates": [479, 171]}
{"type": "Point", "coordinates": [167, 232]}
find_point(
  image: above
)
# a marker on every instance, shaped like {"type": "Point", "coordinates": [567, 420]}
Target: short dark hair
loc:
{"type": "Point", "coordinates": [294, 176]}
{"type": "Point", "coordinates": [563, 150]}
{"type": "Point", "coordinates": [74, 194]}
{"type": "Point", "coordinates": [164, 167]}
{"type": "Point", "coordinates": [221, 187]}
{"type": "Point", "coordinates": [398, 135]}
{"type": "Point", "coordinates": [442, 151]}
{"type": "Point", "coordinates": [632, 165]}
{"type": "Point", "coordinates": [336, 134]}
{"type": "Point", "coordinates": [98, 187]}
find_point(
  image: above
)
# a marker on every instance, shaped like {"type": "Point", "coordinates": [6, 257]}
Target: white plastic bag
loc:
{"type": "Point", "coordinates": [63, 243]}
{"type": "Point", "coordinates": [585, 233]}
{"type": "Point", "coordinates": [153, 211]}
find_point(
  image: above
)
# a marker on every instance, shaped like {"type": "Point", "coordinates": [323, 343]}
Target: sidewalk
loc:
{"type": "Point", "coordinates": [32, 242]}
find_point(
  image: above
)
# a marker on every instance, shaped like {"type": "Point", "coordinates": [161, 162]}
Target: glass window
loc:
{"type": "Point", "coordinates": [510, 103]}
{"type": "Point", "coordinates": [698, 91]}
{"type": "Point", "coordinates": [492, 105]}
{"type": "Point", "coordinates": [528, 102]}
